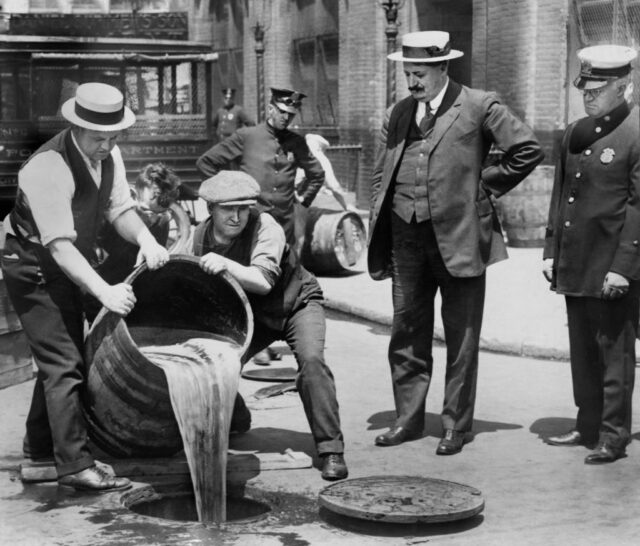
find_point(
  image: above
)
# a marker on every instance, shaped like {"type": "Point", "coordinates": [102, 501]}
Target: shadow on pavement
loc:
{"type": "Point", "coordinates": [382, 529]}
{"type": "Point", "coordinates": [273, 440]}
{"type": "Point", "coordinates": [550, 426]}
{"type": "Point", "coordinates": [433, 425]}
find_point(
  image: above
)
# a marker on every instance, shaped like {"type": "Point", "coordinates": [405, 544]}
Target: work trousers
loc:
{"type": "Point", "coordinates": [418, 271]}
{"type": "Point", "coordinates": [50, 311]}
{"type": "Point", "coordinates": [602, 336]}
{"type": "Point", "coordinates": [304, 332]}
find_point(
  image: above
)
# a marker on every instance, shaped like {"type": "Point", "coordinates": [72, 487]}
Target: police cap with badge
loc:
{"type": "Point", "coordinates": [600, 65]}
{"type": "Point", "coordinates": [287, 100]}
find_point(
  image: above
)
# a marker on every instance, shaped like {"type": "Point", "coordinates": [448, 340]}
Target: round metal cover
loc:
{"type": "Point", "coordinates": [271, 374]}
{"type": "Point", "coordinates": [402, 499]}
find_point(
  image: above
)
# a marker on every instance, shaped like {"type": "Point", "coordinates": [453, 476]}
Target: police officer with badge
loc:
{"type": "Point", "coordinates": [230, 116]}
{"type": "Point", "coordinates": [271, 153]}
{"type": "Point", "coordinates": [592, 251]}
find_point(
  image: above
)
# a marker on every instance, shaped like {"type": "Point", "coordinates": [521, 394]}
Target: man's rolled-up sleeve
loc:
{"type": "Point", "coordinates": [48, 186]}
{"type": "Point", "coordinates": [267, 248]}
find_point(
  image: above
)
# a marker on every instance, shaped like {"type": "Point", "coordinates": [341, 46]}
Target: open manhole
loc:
{"type": "Point", "coordinates": [181, 506]}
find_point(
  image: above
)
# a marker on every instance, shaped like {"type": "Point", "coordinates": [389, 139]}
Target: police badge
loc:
{"type": "Point", "coordinates": [290, 157]}
{"type": "Point", "coordinates": [607, 156]}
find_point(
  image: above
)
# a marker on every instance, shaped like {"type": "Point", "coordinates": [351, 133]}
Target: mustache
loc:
{"type": "Point", "coordinates": [416, 87]}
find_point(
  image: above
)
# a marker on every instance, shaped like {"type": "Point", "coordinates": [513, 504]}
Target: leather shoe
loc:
{"type": "Point", "coordinates": [94, 479]}
{"type": "Point", "coordinates": [395, 436]}
{"type": "Point", "coordinates": [604, 453]}
{"type": "Point", "coordinates": [334, 467]}
{"type": "Point", "coordinates": [451, 443]}
{"type": "Point", "coordinates": [571, 438]}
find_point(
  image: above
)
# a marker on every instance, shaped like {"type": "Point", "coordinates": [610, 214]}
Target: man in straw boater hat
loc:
{"type": "Point", "coordinates": [272, 153]}
{"type": "Point", "coordinates": [592, 251]}
{"type": "Point", "coordinates": [433, 226]}
{"type": "Point", "coordinates": [66, 189]}
{"type": "Point", "coordinates": [285, 298]}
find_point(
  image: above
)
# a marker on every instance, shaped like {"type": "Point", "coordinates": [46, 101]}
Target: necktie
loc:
{"type": "Point", "coordinates": [425, 122]}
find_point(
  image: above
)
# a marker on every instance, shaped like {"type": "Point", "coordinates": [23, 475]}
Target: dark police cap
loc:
{"type": "Point", "coordinates": [287, 100]}
{"type": "Point", "coordinates": [230, 188]}
{"type": "Point", "coordinates": [601, 64]}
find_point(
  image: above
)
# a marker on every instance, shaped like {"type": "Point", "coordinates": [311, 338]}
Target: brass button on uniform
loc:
{"type": "Point", "coordinates": [567, 223]}
{"type": "Point", "coordinates": [578, 175]}
{"type": "Point", "coordinates": [572, 199]}
{"type": "Point", "coordinates": [587, 152]}
{"type": "Point", "coordinates": [598, 129]}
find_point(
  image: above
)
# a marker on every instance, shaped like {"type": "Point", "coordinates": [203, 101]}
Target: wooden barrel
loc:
{"type": "Point", "coordinates": [525, 209]}
{"type": "Point", "coordinates": [334, 241]}
{"type": "Point", "coordinates": [127, 403]}
{"type": "Point", "coordinates": [15, 356]}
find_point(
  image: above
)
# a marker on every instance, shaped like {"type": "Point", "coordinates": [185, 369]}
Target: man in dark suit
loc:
{"type": "Point", "coordinates": [433, 226]}
{"type": "Point", "coordinates": [592, 254]}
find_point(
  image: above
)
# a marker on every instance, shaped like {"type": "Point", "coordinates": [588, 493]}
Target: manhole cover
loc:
{"type": "Point", "coordinates": [271, 374]}
{"type": "Point", "coordinates": [402, 499]}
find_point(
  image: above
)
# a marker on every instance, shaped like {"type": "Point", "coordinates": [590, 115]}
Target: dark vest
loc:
{"type": "Point", "coordinates": [292, 290]}
{"type": "Point", "coordinates": [88, 205]}
{"type": "Point", "coordinates": [411, 197]}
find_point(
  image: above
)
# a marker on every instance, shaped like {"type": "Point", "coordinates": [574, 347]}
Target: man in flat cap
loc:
{"type": "Point", "coordinates": [66, 190]}
{"type": "Point", "coordinates": [271, 153]}
{"type": "Point", "coordinates": [433, 226]}
{"type": "Point", "coordinates": [592, 252]}
{"type": "Point", "coordinates": [285, 298]}
{"type": "Point", "coordinates": [230, 116]}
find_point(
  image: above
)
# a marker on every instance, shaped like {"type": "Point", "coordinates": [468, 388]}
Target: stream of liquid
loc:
{"type": "Point", "coordinates": [203, 372]}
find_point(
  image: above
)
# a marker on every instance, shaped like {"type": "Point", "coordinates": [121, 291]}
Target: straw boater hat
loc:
{"type": "Point", "coordinates": [99, 107]}
{"type": "Point", "coordinates": [230, 188]}
{"type": "Point", "coordinates": [430, 46]}
{"type": "Point", "coordinates": [603, 63]}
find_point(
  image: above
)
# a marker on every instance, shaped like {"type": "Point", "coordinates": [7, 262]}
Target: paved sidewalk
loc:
{"type": "Point", "coordinates": [522, 316]}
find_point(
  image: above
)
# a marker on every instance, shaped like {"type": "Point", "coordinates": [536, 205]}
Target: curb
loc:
{"type": "Point", "coordinates": [521, 349]}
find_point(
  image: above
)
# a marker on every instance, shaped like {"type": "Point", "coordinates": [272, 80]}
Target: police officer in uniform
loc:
{"type": "Point", "coordinates": [592, 252]}
{"type": "Point", "coordinates": [230, 116]}
{"type": "Point", "coordinates": [271, 153]}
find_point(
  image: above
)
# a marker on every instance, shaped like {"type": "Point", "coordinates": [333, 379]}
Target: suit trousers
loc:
{"type": "Point", "coordinates": [50, 311]}
{"type": "Point", "coordinates": [304, 332]}
{"type": "Point", "coordinates": [418, 271]}
{"type": "Point", "coordinates": [602, 336]}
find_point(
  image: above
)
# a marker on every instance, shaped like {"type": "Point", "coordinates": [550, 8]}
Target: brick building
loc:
{"type": "Point", "coordinates": [335, 51]}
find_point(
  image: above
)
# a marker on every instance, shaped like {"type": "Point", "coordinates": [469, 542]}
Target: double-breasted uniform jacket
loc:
{"type": "Point", "coordinates": [272, 158]}
{"type": "Point", "coordinates": [594, 215]}
{"type": "Point", "coordinates": [464, 220]}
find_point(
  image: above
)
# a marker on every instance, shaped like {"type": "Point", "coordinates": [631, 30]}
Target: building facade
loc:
{"type": "Point", "coordinates": [335, 52]}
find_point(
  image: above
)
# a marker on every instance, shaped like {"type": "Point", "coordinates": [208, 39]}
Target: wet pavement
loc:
{"type": "Point", "coordinates": [534, 493]}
